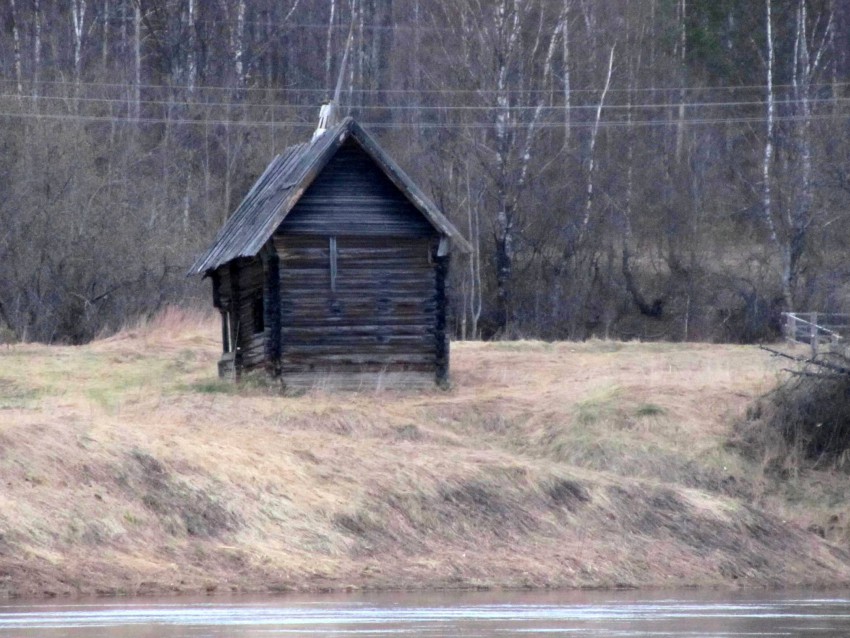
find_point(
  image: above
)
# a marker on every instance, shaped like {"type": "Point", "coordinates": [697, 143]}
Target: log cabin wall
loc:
{"type": "Point", "coordinates": [378, 316]}
{"type": "Point", "coordinates": [240, 298]}
{"type": "Point", "coordinates": [334, 265]}
{"type": "Point", "coordinates": [358, 279]}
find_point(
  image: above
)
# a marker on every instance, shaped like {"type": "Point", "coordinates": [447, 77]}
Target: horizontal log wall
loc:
{"type": "Point", "coordinates": [239, 285]}
{"type": "Point", "coordinates": [374, 309]}
{"type": "Point", "coordinates": [379, 317]}
{"type": "Point", "coordinates": [252, 345]}
{"type": "Point", "coordinates": [352, 196]}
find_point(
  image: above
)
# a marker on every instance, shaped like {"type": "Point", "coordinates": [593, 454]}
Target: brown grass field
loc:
{"type": "Point", "coordinates": [127, 467]}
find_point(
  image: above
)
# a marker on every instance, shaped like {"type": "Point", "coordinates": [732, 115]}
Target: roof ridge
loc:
{"type": "Point", "coordinates": [287, 176]}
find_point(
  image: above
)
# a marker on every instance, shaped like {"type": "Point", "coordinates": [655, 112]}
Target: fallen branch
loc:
{"type": "Point", "coordinates": [841, 370]}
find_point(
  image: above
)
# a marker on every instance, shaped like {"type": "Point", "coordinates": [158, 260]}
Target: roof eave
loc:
{"type": "Point", "coordinates": [335, 137]}
{"type": "Point", "coordinates": [403, 182]}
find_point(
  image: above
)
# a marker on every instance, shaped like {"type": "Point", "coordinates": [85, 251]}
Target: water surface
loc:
{"type": "Point", "coordinates": [597, 614]}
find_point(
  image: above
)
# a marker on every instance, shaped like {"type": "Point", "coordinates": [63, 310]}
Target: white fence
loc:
{"type": "Point", "coordinates": [817, 328]}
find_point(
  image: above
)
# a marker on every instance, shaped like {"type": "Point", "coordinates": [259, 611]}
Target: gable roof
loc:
{"type": "Point", "coordinates": [286, 179]}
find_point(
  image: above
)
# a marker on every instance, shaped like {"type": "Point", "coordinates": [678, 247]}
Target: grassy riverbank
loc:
{"type": "Point", "coordinates": [127, 467]}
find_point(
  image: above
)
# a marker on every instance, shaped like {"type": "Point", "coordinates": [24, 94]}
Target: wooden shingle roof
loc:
{"type": "Point", "coordinates": [286, 179]}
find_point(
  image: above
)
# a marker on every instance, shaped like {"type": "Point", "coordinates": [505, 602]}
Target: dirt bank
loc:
{"type": "Point", "coordinates": [128, 468]}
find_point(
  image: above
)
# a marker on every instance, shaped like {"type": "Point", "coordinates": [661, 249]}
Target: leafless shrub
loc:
{"type": "Point", "coordinates": [806, 419]}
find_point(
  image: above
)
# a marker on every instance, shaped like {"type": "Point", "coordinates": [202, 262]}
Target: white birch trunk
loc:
{"type": "Point", "coordinates": [361, 53]}
{"type": "Point", "coordinates": [531, 130]}
{"type": "Point", "coordinates": [565, 42]}
{"type": "Point", "coordinates": [105, 44]}
{"type": "Point", "coordinates": [808, 59]}
{"type": "Point", "coordinates": [123, 28]}
{"type": "Point", "coordinates": [591, 163]}
{"type": "Point", "coordinates": [683, 47]}
{"type": "Point", "coordinates": [135, 109]}
{"type": "Point", "coordinates": [36, 45]}
{"type": "Point", "coordinates": [355, 8]}
{"type": "Point", "coordinates": [329, 47]}
{"type": "Point", "coordinates": [417, 64]}
{"type": "Point", "coordinates": [475, 301]}
{"type": "Point", "coordinates": [767, 158]}
{"type": "Point", "coordinates": [191, 62]}
{"type": "Point", "coordinates": [239, 45]}
{"type": "Point", "coordinates": [78, 17]}
{"type": "Point", "coordinates": [507, 28]}
{"type": "Point", "coordinates": [16, 45]}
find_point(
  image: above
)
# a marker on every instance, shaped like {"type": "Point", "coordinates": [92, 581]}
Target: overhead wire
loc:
{"type": "Point", "coordinates": [407, 125]}
{"type": "Point", "coordinates": [442, 91]}
{"type": "Point", "coordinates": [441, 108]}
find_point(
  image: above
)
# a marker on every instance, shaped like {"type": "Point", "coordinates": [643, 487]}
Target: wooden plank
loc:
{"type": "Point", "coordinates": [441, 339]}
{"type": "Point", "coordinates": [355, 380]}
{"type": "Point", "coordinates": [353, 196]}
{"type": "Point", "coordinates": [399, 326]}
{"type": "Point", "coordinates": [317, 262]}
{"type": "Point", "coordinates": [383, 314]}
{"type": "Point", "coordinates": [309, 329]}
{"type": "Point", "coordinates": [363, 297]}
{"type": "Point", "coordinates": [374, 294]}
{"type": "Point", "coordinates": [320, 359]}
{"type": "Point", "coordinates": [320, 282]}
{"type": "Point", "coordinates": [233, 311]}
{"type": "Point", "coordinates": [342, 343]}
{"type": "Point", "coordinates": [273, 313]}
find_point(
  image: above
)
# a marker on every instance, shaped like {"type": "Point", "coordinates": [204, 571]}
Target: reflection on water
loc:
{"type": "Point", "coordinates": [598, 614]}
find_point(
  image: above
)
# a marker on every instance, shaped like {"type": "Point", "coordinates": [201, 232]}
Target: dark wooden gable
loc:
{"type": "Point", "coordinates": [353, 196]}
{"type": "Point", "coordinates": [279, 191]}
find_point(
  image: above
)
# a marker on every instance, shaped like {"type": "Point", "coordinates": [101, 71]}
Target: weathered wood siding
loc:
{"type": "Point", "coordinates": [352, 285]}
{"type": "Point", "coordinates": [352, 196]}
{"type": "Point", "coordinates": [378, 314]}
{"type": "Point", "coordinates": [240, 284]}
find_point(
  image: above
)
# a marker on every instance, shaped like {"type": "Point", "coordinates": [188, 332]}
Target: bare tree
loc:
{"type": "Point", "coordinates": [16, 40]}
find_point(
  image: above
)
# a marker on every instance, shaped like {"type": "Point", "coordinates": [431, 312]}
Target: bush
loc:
{"type": "Point", "coordinates": [807, 416]}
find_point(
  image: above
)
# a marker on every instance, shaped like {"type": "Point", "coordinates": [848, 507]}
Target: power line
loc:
{"type": "Point", "coordinates": [324, 26]}
{"type": "Point", "coordinates": [442, 91]}
{"type": "Point", "coordinates": [420, 125]}
{"type": "Point", "coordinates": [440, 108]}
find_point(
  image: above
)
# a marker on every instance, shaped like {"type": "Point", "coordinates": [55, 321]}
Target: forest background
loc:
{"type": "Point", "coordinates": [654, 169]}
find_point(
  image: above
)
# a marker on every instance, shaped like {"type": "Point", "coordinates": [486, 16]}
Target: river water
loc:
{"type": "Point", "coordinates": [596, 614]}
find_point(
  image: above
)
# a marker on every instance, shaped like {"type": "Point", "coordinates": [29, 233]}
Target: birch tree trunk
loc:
{"type": "Point", "coordinates": [682, 58]}
{"type": "Point", "coordinates": [135, 109]}
{"type": "Point", "coordinates": [104, 52]}
{"type": "Point", "coordinates": [239, 46]}
{"type": "Point", "coordinates": [16, 45]}
{"type": "Point", "coordinates": [78, 18]}
{"type": "Point", "coordinates": [591, 161]}
{"type": "Point", "coordinates": [475, 298]}
{"type": "Point", "coordinates": [507, 23]}
{"type": "Point", "coordinates": [191, 60]}
{"type": "Point", "coordinates": [565, 44]}
{"type": "Point", "coordinates": [329, 47]}
{"type": "Point", "coordinates": [810, 49]}
{"type": "Point", "coordinates": [36, 46]}
{"type": "Point", "coordinates": [767, 158]}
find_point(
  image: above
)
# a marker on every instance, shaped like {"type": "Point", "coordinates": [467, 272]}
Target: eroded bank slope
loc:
{"type": "Point", "coordinates": [127, 467]}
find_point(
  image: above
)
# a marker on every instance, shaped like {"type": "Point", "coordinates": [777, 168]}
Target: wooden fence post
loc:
{"type": "Point", "coordinates": [813, 333]}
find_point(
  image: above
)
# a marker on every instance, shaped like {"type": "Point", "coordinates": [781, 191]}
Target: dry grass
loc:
{"type": "Point", "coordinates": [130, 468]}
